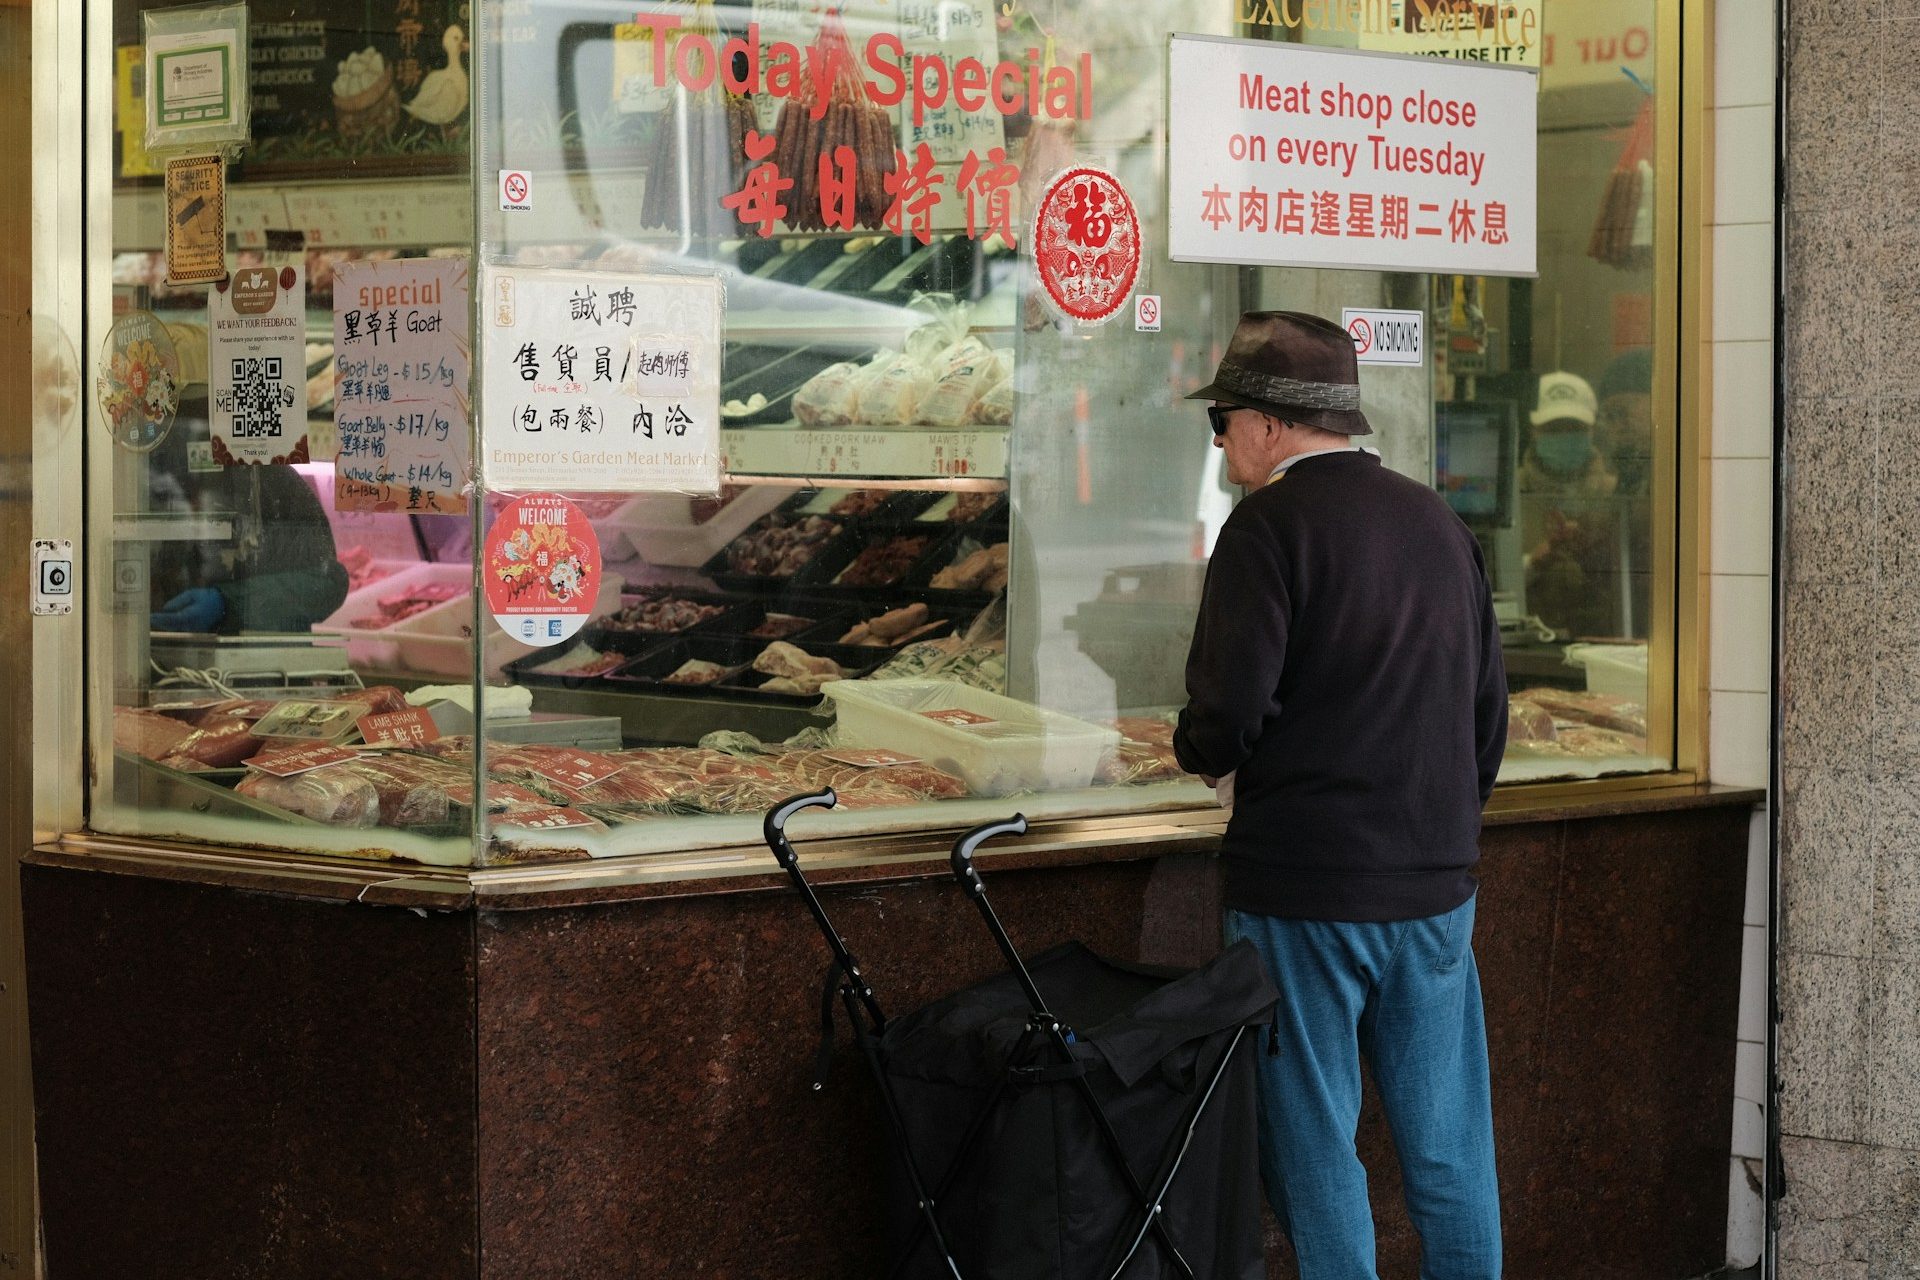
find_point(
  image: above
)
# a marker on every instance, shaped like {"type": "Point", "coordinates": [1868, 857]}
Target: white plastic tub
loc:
{"type": "Point", "coordinates": [380, 648]}
{"type": "Point", "coordinates": [1617, 669]}
{"type": "Point", "coordinates": [1005, 745]}
{"type": "Point", "coordinates": [660, 528]}
{"type": "Point", "coordinates": [439, 641]}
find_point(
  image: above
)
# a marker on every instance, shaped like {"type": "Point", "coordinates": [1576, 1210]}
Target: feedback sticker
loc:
{"type": "Point", "coordinates": [542, 570]}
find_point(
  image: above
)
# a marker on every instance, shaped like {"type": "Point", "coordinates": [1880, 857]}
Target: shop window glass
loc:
{"type": "Point", "coordinates": [954, 566]}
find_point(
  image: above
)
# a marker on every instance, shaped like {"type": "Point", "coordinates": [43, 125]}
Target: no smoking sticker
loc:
{"type": "Point", "coordinates": [1386, 337]}
{"type": "Point", "coordinates": [1146, 313]}
{"type": "Point", "coordinates": [516, 190]}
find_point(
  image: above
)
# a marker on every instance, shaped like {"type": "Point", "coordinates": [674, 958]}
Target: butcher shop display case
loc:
{"type": "Point", "coordinates": [596, 427]}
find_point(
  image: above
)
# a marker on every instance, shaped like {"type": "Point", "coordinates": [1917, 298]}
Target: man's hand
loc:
{"type": "Point", "coordinates": [1211, 782]}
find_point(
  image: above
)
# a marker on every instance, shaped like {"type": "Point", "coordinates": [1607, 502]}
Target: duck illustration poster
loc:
{"type": "Point", "coordinates": [542, 569]}
{"type": "Point", "coordinates": [378, 81]}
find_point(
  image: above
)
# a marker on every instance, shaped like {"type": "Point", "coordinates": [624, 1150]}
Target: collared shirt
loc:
{"type": "Point", "coordinates": [1281, 470]}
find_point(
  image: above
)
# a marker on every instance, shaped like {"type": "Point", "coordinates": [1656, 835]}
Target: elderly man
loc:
{"type": "Point", "coordinates": [1346, 682]}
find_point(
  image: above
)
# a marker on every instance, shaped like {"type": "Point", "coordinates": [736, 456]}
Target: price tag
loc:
{"type": "Point", "coordinates": [874, 758]}
{"type": "Point", "coordinates": [407, 728]}
{"type": "Point", "coordinates": [310, 721]}
{"type": "Point", "coordinates": [958, 718]}
{"type": "Point", "coordinates": [576, 769]}
{"type": "Point", "coordinates": [547, 818]}
{"type": "Point", "coordinates": [284, 764]}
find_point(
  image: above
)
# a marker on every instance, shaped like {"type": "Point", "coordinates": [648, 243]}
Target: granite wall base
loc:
{"type": "Point", "coordinates": [238, 1084]}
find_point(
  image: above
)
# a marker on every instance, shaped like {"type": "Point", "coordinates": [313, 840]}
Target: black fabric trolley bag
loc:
{"type": "Point", "coordinates": [1074, 1117]}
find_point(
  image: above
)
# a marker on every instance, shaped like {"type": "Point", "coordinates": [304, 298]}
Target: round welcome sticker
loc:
{"type": "Point", "coordinates": [542, 572]}
{"type": "Point", "coordinates": [1086, 244]}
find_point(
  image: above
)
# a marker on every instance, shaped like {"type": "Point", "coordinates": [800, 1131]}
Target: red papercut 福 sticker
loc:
{"type": "Point", "coordinates": [1086, 244]}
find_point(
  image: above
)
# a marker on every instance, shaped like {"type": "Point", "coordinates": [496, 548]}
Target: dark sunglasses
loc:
{"type": "Point", "coordinates": [1217, 415]}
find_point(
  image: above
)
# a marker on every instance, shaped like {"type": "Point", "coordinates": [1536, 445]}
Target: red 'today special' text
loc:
{"type": "Point", "coordinates": [928, 81]}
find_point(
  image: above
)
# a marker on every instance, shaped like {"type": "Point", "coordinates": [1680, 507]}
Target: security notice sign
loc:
{"type": "Point", "coordinates": [1292, 155]}
{"type": "Point", "coordinates": [601, 382]}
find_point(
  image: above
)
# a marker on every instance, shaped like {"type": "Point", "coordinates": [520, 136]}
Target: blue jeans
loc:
{"type": "Point", "coordinates": [1406, 995]}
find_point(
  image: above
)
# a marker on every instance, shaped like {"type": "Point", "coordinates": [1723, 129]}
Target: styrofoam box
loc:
{"type": "Point", "coordinates": [440, 640]}
{"type": "Point", "coordinates": [381, 648]}
{"type": "Point", "coordinates": [1617, 669]}
{"type": "Point", "coordinates": [660, 528]}
{"type": "Point", "coordinates": [1020, 748]}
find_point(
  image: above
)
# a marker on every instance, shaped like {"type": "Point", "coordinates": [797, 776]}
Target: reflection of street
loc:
{"type": "Point", "coordinates": [1097, 658]}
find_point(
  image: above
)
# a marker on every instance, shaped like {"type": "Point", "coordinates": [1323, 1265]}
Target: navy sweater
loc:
{"type": "Point", "coordinates": [1346, 664]}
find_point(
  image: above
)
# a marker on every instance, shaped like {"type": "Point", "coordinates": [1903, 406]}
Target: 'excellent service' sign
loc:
{"type": "Point", "coordinates": [1290, 155]}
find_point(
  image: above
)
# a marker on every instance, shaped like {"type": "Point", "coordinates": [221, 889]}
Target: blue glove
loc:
{"type": "Point", "coordinates": [195, 609]}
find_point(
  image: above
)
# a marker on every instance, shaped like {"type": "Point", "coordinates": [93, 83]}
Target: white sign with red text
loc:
{"type": "Point", "coordinates": [1291, 155]}
{"type": "Point", "coordinates": [604, 382]}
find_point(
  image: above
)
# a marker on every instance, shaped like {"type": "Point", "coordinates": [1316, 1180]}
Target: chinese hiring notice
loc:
{"type": "Point", "coordinates": [601, 381]}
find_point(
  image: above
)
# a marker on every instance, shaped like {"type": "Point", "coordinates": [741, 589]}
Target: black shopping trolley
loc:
{"type": "Point", "coordinates": [1073, 1117]}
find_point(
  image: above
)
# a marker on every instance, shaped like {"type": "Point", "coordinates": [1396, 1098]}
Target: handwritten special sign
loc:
{"type": "Point", "coordinates": [402, 373]}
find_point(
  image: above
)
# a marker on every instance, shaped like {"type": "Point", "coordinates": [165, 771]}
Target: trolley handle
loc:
{"type": "Point", "coordinates": [774, 828]}
{"type": "Point", "coordinates": [962, 860]}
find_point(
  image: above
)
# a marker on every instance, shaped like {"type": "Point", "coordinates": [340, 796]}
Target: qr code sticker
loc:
{"type": "Point", "coordinates": [259, 395]}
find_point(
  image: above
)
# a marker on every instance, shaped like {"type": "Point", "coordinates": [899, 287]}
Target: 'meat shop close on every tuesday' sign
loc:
{"type": "Point", "coordinates": [1291, 155]}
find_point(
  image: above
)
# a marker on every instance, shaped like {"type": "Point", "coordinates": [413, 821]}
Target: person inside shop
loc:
{"type": "Point", "coordinates": [1623, 430]}
{"type": "Point", "coordinates": [276, 573]}
{"type": "Point", "coordinates": [1568, 522]}
{"type": "Point", "coordinates": [1346, 690]}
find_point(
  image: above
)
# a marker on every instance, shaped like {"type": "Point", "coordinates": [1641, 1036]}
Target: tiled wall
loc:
{"type": "Point", "coordinates": [1740, 587]}
{"type": "Point", "coordinates": [1850, 678]}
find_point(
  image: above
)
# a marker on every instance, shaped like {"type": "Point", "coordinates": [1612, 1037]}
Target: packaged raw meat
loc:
{"type": "Point", "coordinates": [1588, 743]}
{"type": "Point", "coordinates": [412, 790]}
{"type": "Point", "coordinates": [559, 773]}
{"type": "Point", "coordinates": [1527, 722]}
{"type": "Point", "coordinates": [334, 795]}
{"type": "Point", "coordinates": [1145, 754]}
{"type": "Point", "coordinates": [401, 605]}
{"type": "Point", "coordinates": [147, 733]}
{"type": "Point", "coordinates": [891, 397]}
{"type": "Point", "coordinates": [995, 406]}
{"type": "Point", "coordinates": [862, 786]}
{"type": "Point", "coordinates": [711, 781]}
{"type": "Point", "coordinates": [827, 399]}
{"type": "Point", "coordinates": [220, 741]}
{"type": "Point", "coordinates": [952, 400]}
{"type": "Point", "coordinates": [1602, 710]}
